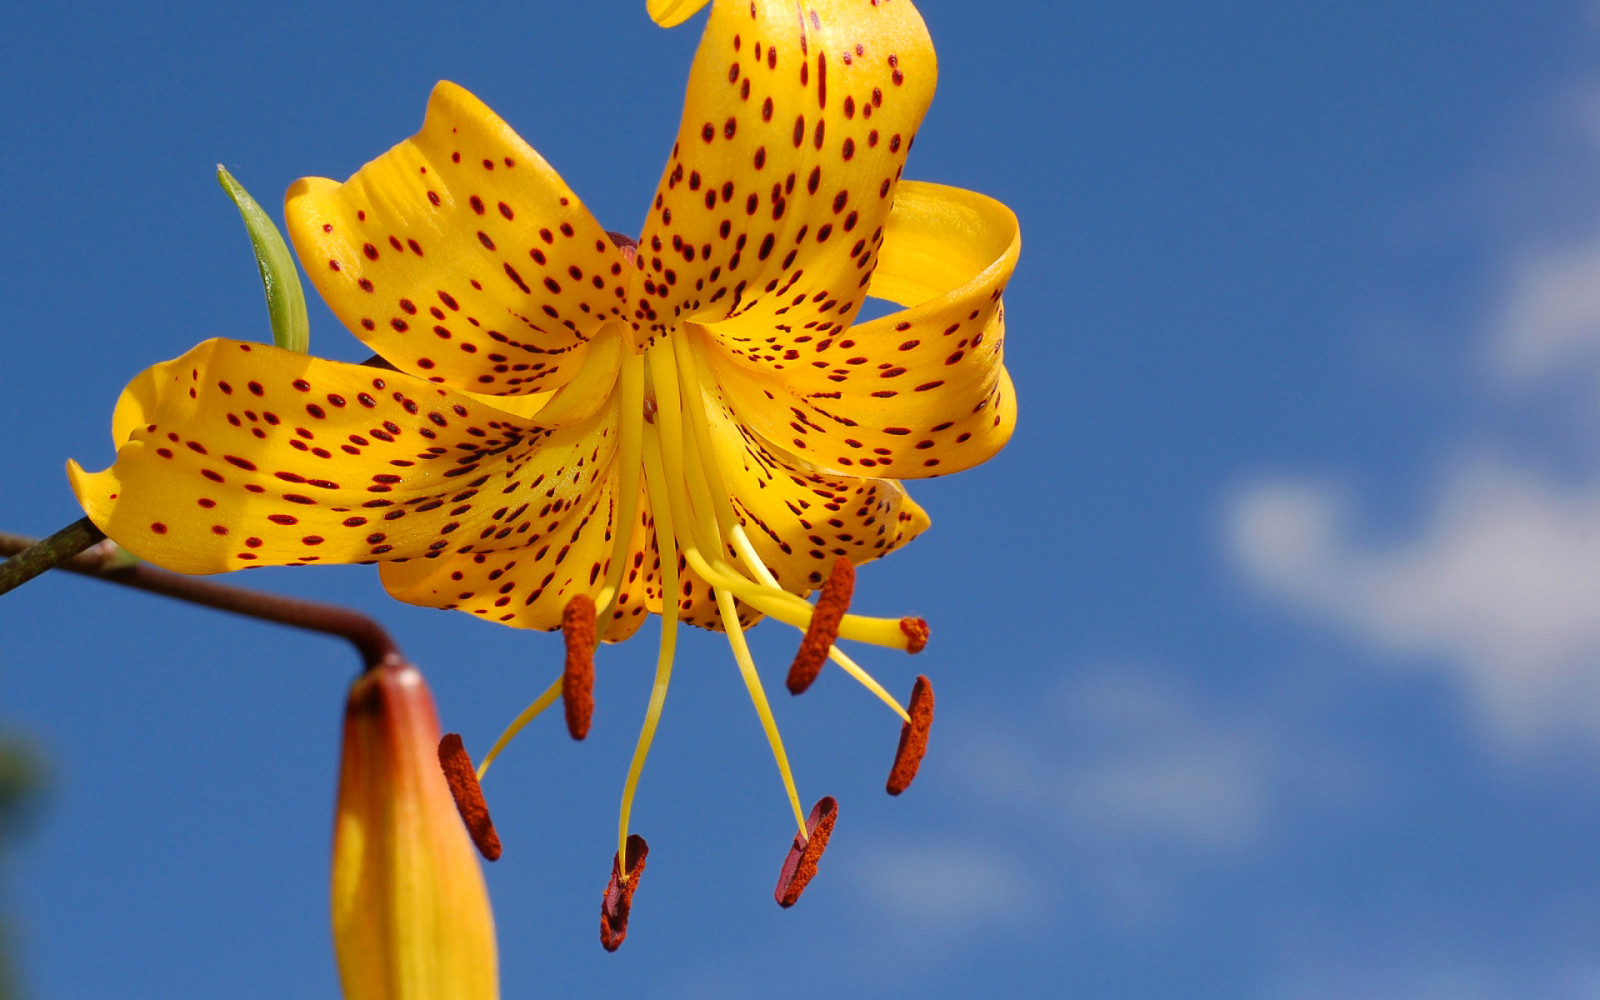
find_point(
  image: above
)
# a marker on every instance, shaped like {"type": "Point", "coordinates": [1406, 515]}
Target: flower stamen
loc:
{"type": "Point", "coordinates": [632, 400]}
{"type": "Point", "coordinates": [527, 715]}
{"type": "Point", "coordinates": [666, 544]}
{"type": "Point", "coordinates": [577, 678]}
{"type": "Point", "coordinates": [468, 795]}
{"type": "Point", "coordinates": [824, 628]}
{"type": "Point", "coordinates": [752, 683]}
{"type": "Point", "coordinates": [913, 738]}
{"type": "Point", "coordinates": [801, 864]}
{"type": "Point", "coordinates": [618, 899]}
{"type": "Point", "coordinates": [867, 681]}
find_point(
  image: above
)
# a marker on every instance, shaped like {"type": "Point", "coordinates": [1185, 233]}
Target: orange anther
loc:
{"type": "Point", "coordinates": [464, 788]}
{"type": "Point", "coordinates": [801, 864]}
{"type": "Point", "coordinates": [577, 680]}
{"type": "Point", "coordinates": [913, 738]}
{"type": "Point", "coordinates": [823, 630]}
{"type": "Point", "coordinates": [618, 898]}
{"type": "Point", "coordinates": [916, 631]}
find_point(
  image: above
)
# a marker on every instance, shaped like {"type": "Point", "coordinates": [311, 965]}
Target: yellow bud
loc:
{"type": "Point", "coordinates": [411, 917]}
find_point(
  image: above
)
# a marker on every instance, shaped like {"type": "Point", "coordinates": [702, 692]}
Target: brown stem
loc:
{"type": "Point", "coordinates": [36, 557]}
{"type": "Point", "coordinates": [108, 563]}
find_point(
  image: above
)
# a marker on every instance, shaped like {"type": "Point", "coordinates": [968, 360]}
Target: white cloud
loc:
{"type": "Point", "coordinates": [1314, 971]}
{"type": "Point", "coordinates": [944, 884]}
{"type": "Point", "coordinates": [1551, 320]}
{"type": "Point", "coordinates": [1501, 587]}
{"type": "Point", "coordinates": [1128, 782]}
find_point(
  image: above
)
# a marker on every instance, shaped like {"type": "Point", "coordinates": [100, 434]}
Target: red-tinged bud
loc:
{"type": "Point", "coordinates": [618, 898]}
{"type": "Point", "coordinates": [411, 918]}
{"type": "Point", "coordinates": [801, 864]}
{"type": "Point", "coordinates": [577, 680]}
{"type": "Point", "coordinates": [823, 629]}
{"type": "Point", "coordinates": [916, 633]}
{"type": "Point", "coordinates": [913, 737]}
{"type": "Point", "coordinates": [462, 778]}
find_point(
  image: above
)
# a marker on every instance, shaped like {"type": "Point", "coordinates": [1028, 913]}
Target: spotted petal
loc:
{"type": "Point", "coordinates": [555, 542]}
{"type": "Point", "coordinates": [796, 125]}
{"type": "Point", "coordinates": [244, 455]}
{"type": "Point", "coordinates": [461, 256]}
{"type": "Point", "coordinates": [920, 392]}
{"type": "Point", "coordinates": [800, 518]}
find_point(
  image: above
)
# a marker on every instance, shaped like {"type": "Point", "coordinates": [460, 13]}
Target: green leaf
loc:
{"type": "Point", "coordinates": [286, 303]}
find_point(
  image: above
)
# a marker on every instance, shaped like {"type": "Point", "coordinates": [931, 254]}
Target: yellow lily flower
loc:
{"type": "Point", "coordinates": [411, 917]}
{"type": "Point", "coordinates": [691, 425]}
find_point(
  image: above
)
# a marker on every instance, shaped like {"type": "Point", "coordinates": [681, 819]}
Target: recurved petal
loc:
{"type": "Point", "coordinates": [921, 392]}
{"type": "Point", "coordinates": [460, 255]}
{"type": "Point", "coordinates": [671, 13]}
{"type": "Point", "coordinates": [801, 518]}
{"type": "Point", "coordinates": [242, 454]}
{"type": "Point", "coordinates": [796, 125]}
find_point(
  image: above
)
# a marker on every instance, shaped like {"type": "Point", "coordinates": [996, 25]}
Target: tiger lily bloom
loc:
{"type": "Point", "coordinates": [583, 429]}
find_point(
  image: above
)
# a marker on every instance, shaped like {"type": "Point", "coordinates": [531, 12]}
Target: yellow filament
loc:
{"type": "Point", "coordinates": [694, 389]}
{"type": "Point", "coordinates": [654, 479]}
{"type": "Point", "coordinates": [530, 713]}
{"type": "Point", "coordinates": [631, 431]}
{"type": "Point", "coordinates": [764, 591]}
{"type": "Point", "coordinates": [867, 681]}
{"type": "Point", "coordinates": [689, 493]}
{"type": "Point", "coordinates": [688, 488]}
{"type": "Point", "coordinates": [747, 669]}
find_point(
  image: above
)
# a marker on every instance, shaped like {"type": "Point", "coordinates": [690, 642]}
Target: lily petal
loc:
{"type": "Point", "coordinates": [460, 255]}
{"type": "Point", "coordinates": [671, 13]}
{"type": "Point", "coordinates": [241, 455]}
{"type": "Point", "coordinates": [801, 518]}
{"type": "Point", "coordinates": [565, 550]}
{"type": "Point", "coordinates": [794, 131]}
{"type": "Point", "coordinates": [921, 392]}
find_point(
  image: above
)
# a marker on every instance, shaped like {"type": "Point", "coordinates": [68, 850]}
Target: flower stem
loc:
{"type": "Point", "coordinates": [36, 557]}
{"type": "Point", "coordinates": [109, 564]}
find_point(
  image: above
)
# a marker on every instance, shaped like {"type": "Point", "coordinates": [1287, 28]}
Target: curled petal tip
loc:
{"type": "Point", "coordinates": [801, 864]}
{"type": "Point", "coordinates": [824, 626]}
{"type": "Point", "coordinates": [577, 679]}
{"type": "Point", "coordinates": [462, 778]}
{"type": "Point", "coordinates": [913, 738]}
{"type": "Point", "coordinates": [916, 633]}
{"type": "Point", "coordinates": [671, 13]}
{"type": "Point", "coordinates": [618, 898]}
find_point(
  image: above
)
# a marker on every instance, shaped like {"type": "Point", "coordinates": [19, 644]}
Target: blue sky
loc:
{"type": "Point", "coordinates": [1266, 653]}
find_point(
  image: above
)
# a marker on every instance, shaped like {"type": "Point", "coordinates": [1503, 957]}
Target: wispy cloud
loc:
{"type": "Point", "coordinates": [1114, 790]}
{"type": "Point", "coordinates": [1551, 320]}
{"type": "Point", "coordinates": [944, 884]}
{"type": "Point", "coordinates": [1498, 585]}
{"type": "Point", "coordinates": [1500, 588]}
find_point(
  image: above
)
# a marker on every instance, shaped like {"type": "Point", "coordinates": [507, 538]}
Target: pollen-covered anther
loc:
{"type": "Point", "coordinates": [577, 679]}
{"type": "Point", "coordinates": [618, 898]}
{"type": "Point", "coordinates": [823, 630]}
{"type": "Point", "coordinates": [801, 864]}
{"type": "Point", "coordinates": [916, 633]}
{"type": "Point", "coordinates": [464, 788]}
{"type": "Point", "coordinates": [913, 738]}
